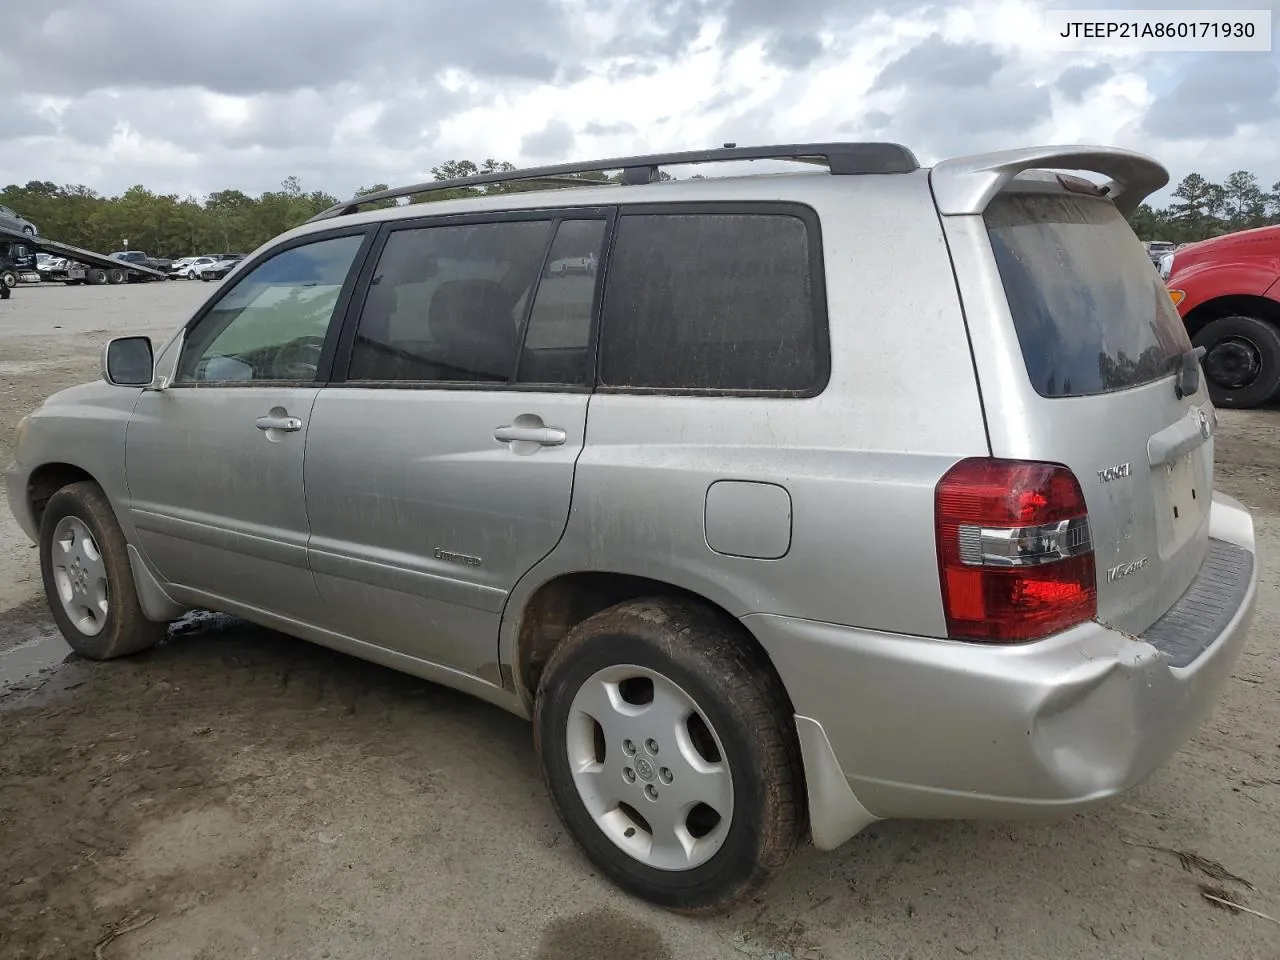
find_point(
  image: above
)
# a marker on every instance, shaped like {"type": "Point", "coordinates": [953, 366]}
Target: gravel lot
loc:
{"type": "Point", "coordinates": [236, 793]}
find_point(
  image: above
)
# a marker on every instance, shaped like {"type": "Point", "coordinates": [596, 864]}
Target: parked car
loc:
{"type": "Point", "coordinates": [219, 269]}
{"type": "Point", "coordinates": [178, 268]}
{"type": "Point", "coordinates": [10, 220]}
{"type": "Point", "coordinates": [191, 269]}
{"type": "Point", "coordinates": [52, 269]}
{"type": "Point", "coordinates": [1227, 293]}
{"type": "Point", "coordinates": [1157, 249]}
{"type": "Point", "coordinates": [791, 575]}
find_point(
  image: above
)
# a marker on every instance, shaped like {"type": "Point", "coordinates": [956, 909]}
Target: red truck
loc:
{"type": "Point", "coordinates": [1227, 291]}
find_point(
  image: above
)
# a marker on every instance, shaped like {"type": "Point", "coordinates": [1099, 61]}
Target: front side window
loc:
{"type": "Point", "coordinates": [272, 324]}
{"type": "Point", "coordinates": [446, 303]}
{"type": "Point", "coordinates": [711, 301]}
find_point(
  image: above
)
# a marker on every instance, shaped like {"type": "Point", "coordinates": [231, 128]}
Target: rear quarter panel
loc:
{"type": "Point", "coordinates": [859, 461]}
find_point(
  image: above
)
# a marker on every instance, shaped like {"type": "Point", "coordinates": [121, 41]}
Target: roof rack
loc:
{"type": "Point", "coordinates": [840, 158]}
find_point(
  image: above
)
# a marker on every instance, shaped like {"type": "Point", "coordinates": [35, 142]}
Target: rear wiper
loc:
{"type": "Point", "coordinates": [1188, 381]}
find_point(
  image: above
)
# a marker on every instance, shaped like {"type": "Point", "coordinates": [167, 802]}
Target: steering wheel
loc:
{"type": "Point", "coordinates": [299, 359]}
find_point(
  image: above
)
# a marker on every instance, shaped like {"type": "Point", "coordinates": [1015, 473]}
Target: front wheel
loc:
{"type": "Point", "coordinates": [9, 278]}
{"type": "Point", "coordinates": [1241, 362]}
{"type": "Point", "coordinates": [88, 582]}
{"type": "Point", "coordinates": [669, 749]}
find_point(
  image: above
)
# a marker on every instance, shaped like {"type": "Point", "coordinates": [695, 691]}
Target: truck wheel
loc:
{"type": "Point", "coordinates": [669, 749]}
{"type": "Point", "coordinates": [1241, 361]}
{"type": "Point", "coordinates": [116, 276]}
{"type": "Point", "coordinates": [97, 276]}
{"type": "Point", "coordinates": [9, 278]}
{"type": "Point", "coordinates": [87, 578]}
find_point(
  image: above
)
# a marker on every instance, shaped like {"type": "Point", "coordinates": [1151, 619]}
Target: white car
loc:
{"type": "Point", "coordinates": [191, 271]}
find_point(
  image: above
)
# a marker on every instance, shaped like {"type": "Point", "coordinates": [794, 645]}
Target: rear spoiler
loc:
{"type": "Point", "coordinates": [965, 185]}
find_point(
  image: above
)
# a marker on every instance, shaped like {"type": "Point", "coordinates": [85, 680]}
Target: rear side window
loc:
{"type": "Point", "coordinates": [713, 301]}
{"type": "Point", "coordinates": [446, 303]}
{"type": "Point", "coordinates": [1091, 312]}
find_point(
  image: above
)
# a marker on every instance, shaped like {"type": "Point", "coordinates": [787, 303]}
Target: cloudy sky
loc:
{"type": "Point", "coordinates": [194, 97]}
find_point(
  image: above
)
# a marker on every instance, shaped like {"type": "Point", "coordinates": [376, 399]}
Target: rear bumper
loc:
{"type": "Point", "coordinates": [898, 726]}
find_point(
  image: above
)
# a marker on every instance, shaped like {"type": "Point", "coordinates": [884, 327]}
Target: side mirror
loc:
{"type": "Point", "coordinates": [127, 362]}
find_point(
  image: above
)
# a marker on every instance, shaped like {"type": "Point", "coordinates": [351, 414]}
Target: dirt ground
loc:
{"type": "Point", "coordinates": [236, 793]}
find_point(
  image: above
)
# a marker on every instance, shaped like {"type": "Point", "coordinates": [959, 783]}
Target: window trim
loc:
{"type": "Point", "coordinates": [817, 281]}
{"type": "Point", "coordinates": [325, 366]}
{"type": "Point", "coordinates": [553, 215]}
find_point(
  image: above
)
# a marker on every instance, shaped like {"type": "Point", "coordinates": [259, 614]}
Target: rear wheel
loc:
{"type": "Point", "coordinates": [1241, 361]}
{"type": "Point", "coordinates": [30, 231]}
{"type": "Point", "coordinates": [116, 276]}
{"type": "Point", "coordinates": [88, 582]}
{"type": "Point", "coordinates": [97, 276]}
{"type": "Point", "coordinates": [669, 750]}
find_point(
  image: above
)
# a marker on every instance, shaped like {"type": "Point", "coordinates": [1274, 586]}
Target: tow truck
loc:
{"type": "Point", "coordinates": [85, 266]}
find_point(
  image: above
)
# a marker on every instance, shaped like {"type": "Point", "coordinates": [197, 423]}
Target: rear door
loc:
{"type": "Point", "coordinates": [1079, 353]}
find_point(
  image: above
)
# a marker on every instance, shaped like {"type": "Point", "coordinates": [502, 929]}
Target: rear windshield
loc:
{"type": "Point", "coordinates": [1091, 313]}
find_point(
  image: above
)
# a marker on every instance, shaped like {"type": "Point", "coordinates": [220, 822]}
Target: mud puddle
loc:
{"type": "Point", "coordinates": [30, 645]}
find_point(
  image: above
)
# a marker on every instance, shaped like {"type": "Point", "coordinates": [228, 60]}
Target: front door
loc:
{"type": "Point", "coordinates": [214, 461]}
{"type": "Point", "coordinates": [441, 471]}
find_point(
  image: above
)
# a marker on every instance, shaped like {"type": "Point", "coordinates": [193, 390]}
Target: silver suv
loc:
{"type": "Point", "coordinates": [804, 500]}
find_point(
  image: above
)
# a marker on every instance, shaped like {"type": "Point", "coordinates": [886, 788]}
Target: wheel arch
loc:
{"type": "Point", "coordinates": [1243, 304]}
{"type": "Point", "coordinates": [560, 603]}
{"type": "Point", "coordinates": [46, 480]}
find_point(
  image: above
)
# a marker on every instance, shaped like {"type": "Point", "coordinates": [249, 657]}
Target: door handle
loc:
{"type": "Point", "coordinates": [543, 436]}
{"type": "Point", "coordinates": [284, 424]}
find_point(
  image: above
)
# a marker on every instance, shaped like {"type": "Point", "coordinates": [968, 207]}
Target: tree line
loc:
{"type": "Point", "coordinates": [166, 225]}
{"type": "Point", "coordinates": [1202, 209]}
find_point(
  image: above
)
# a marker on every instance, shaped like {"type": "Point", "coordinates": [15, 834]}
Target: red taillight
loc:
{"type": "Point", "coordinates": [1015, 554]}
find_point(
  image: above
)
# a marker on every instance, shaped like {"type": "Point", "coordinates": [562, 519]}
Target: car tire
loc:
{"type": "Point", "coordinates": [9, 278]}
{"type": "Point", "coordinates": [29, 231]}
{"type": "Point", "coordinates": [88, 581]}
{"type": "Point", "coordinates": [717, 732]}
{"type": "Point", "coordinates": [1235, 345]}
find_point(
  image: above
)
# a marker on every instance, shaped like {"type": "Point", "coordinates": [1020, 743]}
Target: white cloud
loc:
{"type": "Point", "coordinates": [285, 95]}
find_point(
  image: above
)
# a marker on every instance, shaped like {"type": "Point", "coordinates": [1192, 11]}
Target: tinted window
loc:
{"type": "Point", "coordinates": [272, 323]}
{"type": "Point", "coordinates": [559, 331]}
{"type": "Point", "coordinates": [711, 301]}
{"type": "Point", "coordinates": [1090, 313]}
{"type": "Point", "coordinates": [446, 303]}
